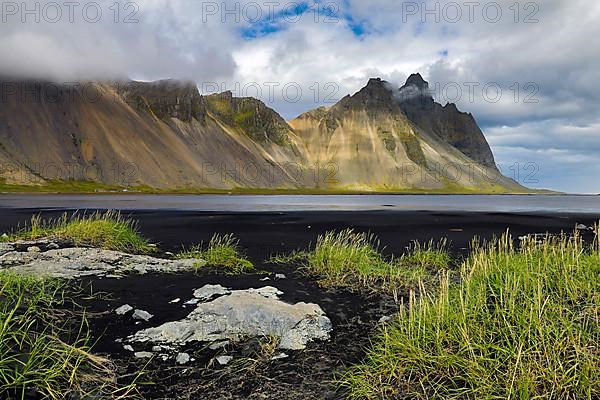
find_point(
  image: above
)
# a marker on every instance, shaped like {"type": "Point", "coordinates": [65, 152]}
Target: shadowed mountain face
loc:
{"type": "Point", "coordinates": [167, 136]}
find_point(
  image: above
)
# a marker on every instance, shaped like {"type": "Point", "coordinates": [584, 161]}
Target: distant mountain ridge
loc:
{"type": "Point", "coordinates": [166, 135]}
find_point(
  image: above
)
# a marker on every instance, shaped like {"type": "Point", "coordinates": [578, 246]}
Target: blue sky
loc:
{"type": "Point", "coordinates": [543, 59]}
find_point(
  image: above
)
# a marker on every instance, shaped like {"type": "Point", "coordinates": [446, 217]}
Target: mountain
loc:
{"type": "Point", "coordinates": [165, 135]}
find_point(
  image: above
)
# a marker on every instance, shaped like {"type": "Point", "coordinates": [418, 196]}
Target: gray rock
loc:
{"type": "Point", "coordinates": [242, 314]}
{"type": "Point", "coordinates": [33, 249]}
{"type": "Point", "coordinates": [207, 292]}
{"type": "Point", "coordinates": [280, 276]}
{"type": "Point", "coordinates": [76, 262]}
{"type": "Point", "coordinates": [142, 315]}
{"type": "Point", "coordinates": [156, 349]}
{"type": "Point", "coordinates": [182, 358]}
{"type": "Point", "coordinates": [124, 309]}
{"type": "Point", "coordinates": [52, 246]}
{"type": "Point", "coordinates": [128, 347]}
{"type": "Point", "coordinates": [177, 300]}
{"type": "Point", "coordinates": [224, 360]}
{"type": "Point", "coordinates": [143, 354]}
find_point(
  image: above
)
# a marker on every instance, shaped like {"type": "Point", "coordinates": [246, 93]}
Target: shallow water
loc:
{"type": "Point", "coordinates": [280, 203]}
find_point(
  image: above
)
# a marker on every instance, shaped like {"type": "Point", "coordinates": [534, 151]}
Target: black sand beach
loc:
{"type": "Point", "coordinates": [263, 234]}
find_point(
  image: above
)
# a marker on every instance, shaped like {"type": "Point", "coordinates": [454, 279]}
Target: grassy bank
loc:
{"type": "Point", "coordinates": [45, 352]}
{"type": "Point", "coordinates": [523, 323]}
{"type": "Point", "coordinates": [88, 187]}
{"type": "Point", "coordinates": [109, 230]}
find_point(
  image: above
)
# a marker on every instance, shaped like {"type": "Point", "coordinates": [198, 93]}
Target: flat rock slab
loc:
{"type": "Point", "coordinates": [243, 314]}
{"type": "Point", "coordinates": [78, 262]}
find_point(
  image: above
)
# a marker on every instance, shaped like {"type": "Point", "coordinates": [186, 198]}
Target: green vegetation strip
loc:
{"type": "Point", "coordinates": [522, 324]}
{"type": "Point", "coordinates": [107, 230]}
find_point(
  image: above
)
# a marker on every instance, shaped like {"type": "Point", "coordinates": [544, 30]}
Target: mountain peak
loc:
{"type": "Point", "coordinates": [417, 81]}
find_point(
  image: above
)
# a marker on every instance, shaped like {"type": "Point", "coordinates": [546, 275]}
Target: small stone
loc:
{"type": "Point", "coordinates": [192, 302]}
{"type": "Point", "coordinates": [182, 358]}
{"type": "Point", "coordinates": [124, 309]}
{"type": "Point", "coordinates": [224, 360]}
{"type": "Point", "coordinates": [33, 249]}
{"type": "Point", "coordinates": [384, 319]}
{"type": "Point", "coordinates": [52, 246]}
{"type": "Point", "coordinates": [142, 315]}
{"type": "Point", "coordinates": [164, 357]}
{"type": "Point", "coordinates": [279, 356]}
{"type": "Point", "coordinates": [177, 300]}
{"type": "Point", "coordinates": [143, 354]}
{"type": "Point", "coordinates": [128, 347]}
{"type": "Point", "coordinates": [280, 276]}
{"type": "Point", "coordinates": [218, 345]}
{"type": "Point", "coordinates": [156, 349]}
{"type": "Point", "coordinates": [207, 292]}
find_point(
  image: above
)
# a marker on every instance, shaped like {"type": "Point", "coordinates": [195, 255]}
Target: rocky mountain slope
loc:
{"type": "Point", "coordinates": [165, 135]}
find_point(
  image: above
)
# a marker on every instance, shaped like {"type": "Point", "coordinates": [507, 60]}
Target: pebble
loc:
{"type": "Point", "coordinates": [177, 300]}
{"type": "Point", "coordinates": [128, 347]}
{"type": "Point", "coordinates": [52, 246]}
{"type": "Point", "coordinates": [142, 315]}
{"type": "Point", "coordinates": [279, 356]}
{"type": "Point", "coordinates": [143, 354]}
{"type": "Point", "coordinates": [280, 276]}
{"type": "Point", "coordinates": [33, 249]}
{"type": "Point", "coordinates": [156, 349]}
{"type": "Point", "coordinates": [224, 360]}
{"type": "Point", "coordinates": [124, 309]}
{"type": "Point", "coordinates": [182, 358]}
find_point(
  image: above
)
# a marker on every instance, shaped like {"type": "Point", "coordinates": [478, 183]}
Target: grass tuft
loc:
{"type": "Point", "coordinates": [521, 324]}
{"type": "Point", "coordinates": [108, 230]}
{"type": "Point", "coordinates": [38, 355]}
{"type": "Point", "coordinates": [223, 251]}
{"type": "Point", "coordinates": [353, 260]}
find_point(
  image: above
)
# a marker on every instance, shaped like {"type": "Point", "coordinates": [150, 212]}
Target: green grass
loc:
{"type": "Point", "coordinates": [109, 230]}
{"type": "Point", "coordinates": [521, 324]}
{"type": "Point", "coordinates": [353, 260]}
{"type": "Point", "coordinates": [223, 251]}
{"type": "Point", "coordinates": [37, 354]}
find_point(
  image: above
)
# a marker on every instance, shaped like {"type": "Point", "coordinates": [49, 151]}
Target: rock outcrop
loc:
{"type": "Point", "coordinates": [240, 314]}
{"type": "Point", "coordinates": [74, 262]}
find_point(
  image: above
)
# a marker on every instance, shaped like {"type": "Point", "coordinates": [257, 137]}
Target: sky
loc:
{"type": "Point", "coordinates": [529, 72]}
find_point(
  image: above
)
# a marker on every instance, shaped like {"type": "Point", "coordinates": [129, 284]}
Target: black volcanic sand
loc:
{"type": "Point", "coordinates": [305, 374]}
